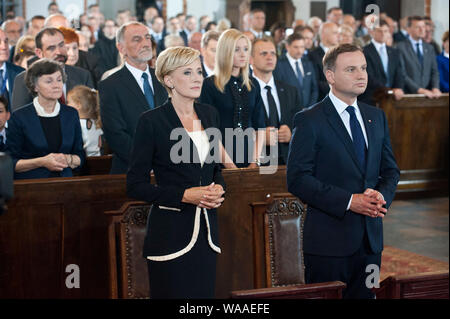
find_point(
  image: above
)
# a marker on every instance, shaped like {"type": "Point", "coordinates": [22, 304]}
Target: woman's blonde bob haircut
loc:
{"type": "Point", "coordinates": [226, 47]}
{"type": "Point", "coordinates": [171, 59]}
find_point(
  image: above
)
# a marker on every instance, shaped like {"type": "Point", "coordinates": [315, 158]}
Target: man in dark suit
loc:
{"type": "Point", "coordinates": [298, 71]}
{"type": "Point", "coordinates": [208, 51]}
{"type": "Point", "coordinates": [329, 37]}
{"type": "Point", "coordinates": [342, 166]}
{"type": "Point", "coordinates": [8, 71]}
{"type": "Point", "coordinates": [129, 92]}
{"type": "Point", "coordinates": [422, 75]}
{"type": "Point", "coordinates": [50, 44]}
{"type": "Point", "coordinates": [281, 101]}
{"type": "Point", "coordinates": [384, 66]}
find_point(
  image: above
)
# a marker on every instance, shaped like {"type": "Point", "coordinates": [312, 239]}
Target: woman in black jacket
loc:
{"type": "Point", "coordinates": [181, 241]}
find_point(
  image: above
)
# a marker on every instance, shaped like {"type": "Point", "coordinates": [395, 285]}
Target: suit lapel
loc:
{"type": "Point", "coordinates": [129, 81]}
{"type": "Point", "coordinates": [338, 126]}
{"type": "Point", "coordinates": [378, 59]}
{"type": "Point", "coordinates": [36, 128]}
{"type": "Point", "coordinates": [282, 97]}
{"type": "Point", "coordinates": [369, 126]}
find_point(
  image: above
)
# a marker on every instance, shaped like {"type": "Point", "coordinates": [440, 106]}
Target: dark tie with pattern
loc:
{"type": "Point", "coordinates": [358, 137]}
{"type": "Point", "coordinates": [273, 113]}
{"type": "Point", "coordinates": [419, 54]}
{"type": "Point", "coordinates": [148, 91]}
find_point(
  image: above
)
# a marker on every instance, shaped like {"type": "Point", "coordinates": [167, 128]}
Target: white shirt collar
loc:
{"type": "Point", "coordinates": [137, 73]}
{"type": "Point", "coordinates": [208, 70]}
{"type": "Point", "coordinates": [340, 105]}
{"type": "Point", "coordinates": [291, 59]}
{"type": "Point", "coordinates": [378, 45]}
{"type": "Point", "coordinates": [324, 48]}
{"type": "Point", "coordinates": [445, 54]}
{"type": "Point", "coordinates": [3, 67]}
{"type": "Point", "coordinates": [414, 42]}
{"type": "Point", "coordinates": [263, 84]}
{"type": "Point", "coordinates": [41, 112]}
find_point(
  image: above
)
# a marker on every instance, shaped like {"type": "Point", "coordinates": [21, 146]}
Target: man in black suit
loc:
{"type": "Point", "coordinates": [208, 51]}
{"type": "Point", "coordinates": [129, 92]}
{"type": "Point", "coordinates": [281, 101]}
{"type": "Point", "coordinates": [384, 65]}
{"type": "Point", "coordinates": [50, 44]}
{"type": "Point", "coordinates": [342, 166]}
{"type": "Point", "coordinates": [8, 71]}
{"type": "Point", "coordinates": [329, 37]}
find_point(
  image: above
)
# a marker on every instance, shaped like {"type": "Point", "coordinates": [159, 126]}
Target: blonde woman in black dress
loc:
{"type": "Point", "coordinates": [181, 244]}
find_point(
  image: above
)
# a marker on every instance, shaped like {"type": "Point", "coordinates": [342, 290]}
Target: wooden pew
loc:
{"type": "Point", "coordinates": [434, 285]}
{"type": "Point", "coordinates": [419, 130]}
{"type": "Point", "coordinates": [53, 223]}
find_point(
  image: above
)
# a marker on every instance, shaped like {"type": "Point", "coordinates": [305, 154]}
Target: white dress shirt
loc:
{"type": "Point", "coordinates": [345, 117]}
{"type": "Point", "coordinates": [414, 45]}
{"type": "Point", "coordinates": [292, 63]}
{"type": "Point", "coordinates": [208, 70]}
{"type": "Point", "coordinates": [379, 46]}
{"type": "Point", "coordinates": [273, 90]}
{"type": "Point", "coordinates": [137, 74]}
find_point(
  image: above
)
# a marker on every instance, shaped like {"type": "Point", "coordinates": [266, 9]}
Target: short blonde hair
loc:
{"type": "Point", "coordinates": [224, 59]}
{"type": "Point", "coordinates": [171, 59]}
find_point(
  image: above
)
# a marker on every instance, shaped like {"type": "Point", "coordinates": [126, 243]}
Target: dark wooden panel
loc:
{"type": "Point", "coordinates": [419, 135]}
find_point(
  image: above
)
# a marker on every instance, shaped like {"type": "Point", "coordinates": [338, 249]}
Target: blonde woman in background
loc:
{"type": "Point", "coordinates": [236, 95]}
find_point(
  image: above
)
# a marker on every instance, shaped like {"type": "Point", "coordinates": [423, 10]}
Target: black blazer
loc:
{"type": "Point", "coordinates": [375, 71]}
{"type": "Point", "coordinates": [290, 104]}
{"type": "Point", "coordinates": [121, 103]}
{"type": "Point", "coordinates": [171, 222]}
{"type": "Point", "coordinates": [184, 36]}
{"type": "Point", "coordinates": [12, 71]}
{"type": "Point", "coordinates": [75, 76]}
{"type": "Point", "coordinates": [90, 62]}
{"type": "Point", "coordinates": [323, 171]}
{"type": "Point", "coordinates": [316, 57]}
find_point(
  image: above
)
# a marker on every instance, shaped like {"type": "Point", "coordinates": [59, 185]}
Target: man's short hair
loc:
{"type": "Point", "coordinates": [51, 4]}
{"type": "Point", "coordinates": [49, 31]}
{"type": "Point", "coordinates": [413, 18]}
{"type": "Point", "coordinates": [4, 101]}
{"type": "Point", "coordinates": [263, 39]}
{"type": "Point", "coordinates": [300, 28]}
{"type": "Point", "coordinates": [37, 17]}
{"type": "Point", "coordinates": [256, 10]}
{"type": "Point", "coordinates": [329, 60]}
{"type": "Point", "coordinates": [276, 26]}
{"type": "Point", "coordinates": [294, 37]}
{"type": "Point", "coordinates": [208, 36]}
{"type": "Point", "coordinates": [121, 31]}
{"type": "Point", "coordinates": [333, 9]}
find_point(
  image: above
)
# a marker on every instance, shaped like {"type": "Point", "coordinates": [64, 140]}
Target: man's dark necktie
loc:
{"type": "Point", "coordinates": [273, 114]}
{"type": "Point", "coordinates": [419, 54]}
{"type": "Point", "coordinates": [299, 74]}
{"type": "Point", "coordinates": [358, 137]}
{"type": "Point", "coordinates": [2, 145]}
{"type": "Point", "coordinates": [148, 91]}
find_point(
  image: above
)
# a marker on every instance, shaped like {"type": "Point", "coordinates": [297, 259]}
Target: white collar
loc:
{"type": "Point", "coordinates": [3, 67]}
{"type": "Point", "coordinates": [445, 54]}
{"type": "Point", "coordinates": [378, 45]}
{"type": "Point", "coordinates": [340, 105]}
{"type": "Point", "coordinates": [263, 84]}
{"type": "Point", "coordinates": [324, 48]}
{"type": "Point", "coordinates": [292, 60]}
{"type": "Point", "coordinates": [41, 112]}
{"type": "Point", "coordinates": [137, 73]}
{"type": "Point", "coordinates": [414, 42]}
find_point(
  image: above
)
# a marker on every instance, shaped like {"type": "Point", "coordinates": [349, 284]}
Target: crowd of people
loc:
{"type": "Point", "coordinates": [70, 87]}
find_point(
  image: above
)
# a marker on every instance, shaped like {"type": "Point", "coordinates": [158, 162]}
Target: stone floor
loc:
{"type": "Point", "coordinates": [419, 226]}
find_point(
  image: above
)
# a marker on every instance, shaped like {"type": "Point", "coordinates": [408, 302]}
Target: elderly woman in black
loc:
{"type": "Point", "coordinates": [44, 137]}
{"type": "Point", "coordinates": [181, 244]}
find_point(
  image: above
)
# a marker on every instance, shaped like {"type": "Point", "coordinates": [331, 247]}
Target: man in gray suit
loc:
{"type": "Point", "coordinates": [422, 75]}
{"type": "Point", "coordinates": [50, 44]}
